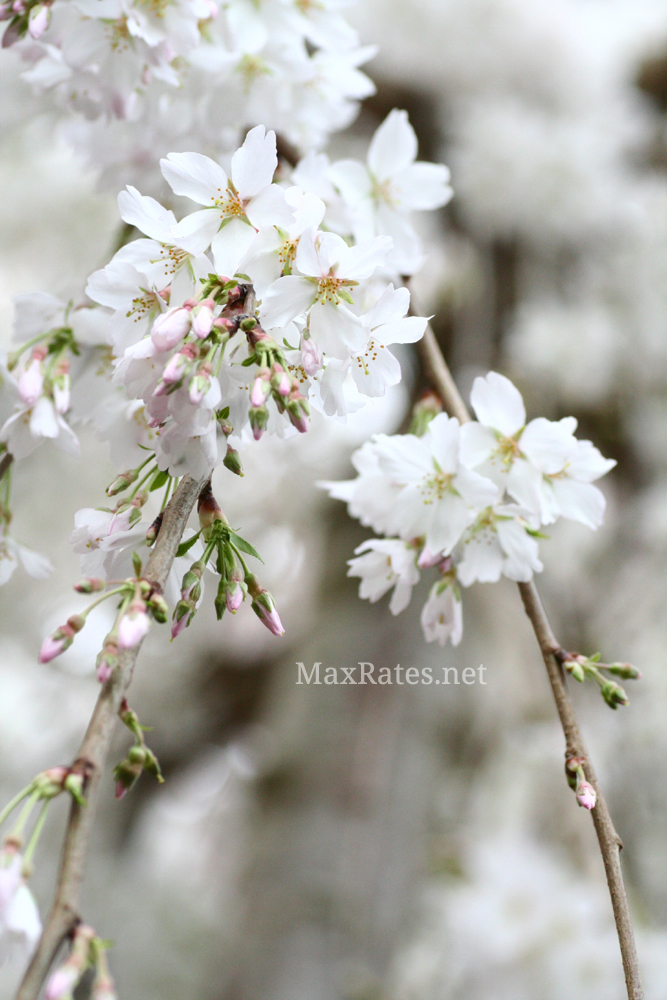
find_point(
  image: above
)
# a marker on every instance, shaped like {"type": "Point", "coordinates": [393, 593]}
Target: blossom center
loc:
{"type": "Point", "coordinates": [437, 486]}
{"type": "Point", "coordinates": [387, 192]}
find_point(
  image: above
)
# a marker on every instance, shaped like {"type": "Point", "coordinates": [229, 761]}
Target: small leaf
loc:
{"type": "Point", "coordinates": [243, 546]}
{"type": "Point", "coordinates": [159, 480]}
{"type": "Point", "coordinates": [136, 562]}
{"type": "Point", "coordinates": [186, 546]}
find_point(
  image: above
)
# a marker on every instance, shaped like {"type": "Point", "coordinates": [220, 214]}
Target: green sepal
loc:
{"type": "Point", "coordinates": [186, 546]}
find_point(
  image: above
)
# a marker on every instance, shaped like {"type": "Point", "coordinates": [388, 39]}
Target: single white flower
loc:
{"type": "Point", "coordinates": [376, 368]}
{"type": "Point", "coordinates": [25, 430]}
{"type": "Point", "coordinates": [442, 615]}
{"type": "Point", "coordinates": [11, 552]}
{"type": "Point", "coordinates": [384, 563]}
{"type": "Point", "coordinates": [570, 493]}
{"type": "Point", "coordinates": [515, 455]}
{"type": "Point", "coordinates": [328, 270]}
{"type": "Point", "coordinates": [20, 926]}
{"type": "Point", "coordinates": [498, 543]}
{"type": "Point", "coordinates": [438, 497]}
{"type": "Point", "coordinates": [236, 207]}
{"type": "Point", "coordinates": [382, 192]}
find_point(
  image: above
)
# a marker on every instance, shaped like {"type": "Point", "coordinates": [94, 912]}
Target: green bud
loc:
{"type": "Point", "coordinates": [624, 670]}
{"type": "Point", "coordinates": [159, 608]}
{"type": "Point", "coordinates": [74, 785]}
{"type": "Point", "coordinates": [575, 670]}
{"type": "Point", "coordinates": [232, 461]}
{"type": "Point", "coordinates": [614, 694]}
{"type": "Point", "coordinates": [124, 480]}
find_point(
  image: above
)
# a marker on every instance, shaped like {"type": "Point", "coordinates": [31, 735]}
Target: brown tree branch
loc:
{"type": "Point", "coordinates": [609, 841]}
{"type": "Point", "coordinates": [93, 752]}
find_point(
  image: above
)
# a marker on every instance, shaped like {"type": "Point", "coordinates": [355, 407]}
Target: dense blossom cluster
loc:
{"type": "Point", "coordinates": [467, 500]}
{"type": "Point", "coordinates": [145, 77]}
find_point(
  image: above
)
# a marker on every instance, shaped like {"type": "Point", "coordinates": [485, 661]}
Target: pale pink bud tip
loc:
{"type": "Point", "coordinates": [586, 795]}
{"type": "Point", "coordinates": [38, 22]}
{"type": "Point", "coordinates": [257, 393]}
{"type": "Point", "coordinates": [133, 626]}
{"type": "Point", "coordinates": [121, 790]}
{"type": "Point", "coordinates": [272, 621]}
{"type": "Point", "coordinates": [179, 626]}
{"type": "Point", "coordinates": [62, 982]}
{"type": "Point", "coordinates": [50, 649]}
{"type": "Point", "coordinates": [234, 600]}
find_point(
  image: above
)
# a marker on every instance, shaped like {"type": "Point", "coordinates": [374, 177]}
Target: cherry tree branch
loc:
{"type": "Point", "coordinates": [92, 756]}
{"type": "Point", "coordinates": [609, 841]}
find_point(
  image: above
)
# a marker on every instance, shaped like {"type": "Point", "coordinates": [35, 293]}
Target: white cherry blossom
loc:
{"type": "Point", "coordinates": [498, 543]}
{"type": "Point", "coordinates": [383, 564]}
{"type": "Point", "coordinates": [328, 271]}
{"type": "Point", "coordinates": [236, 206]}
{"type": "Point", "coordinates": [382, 192]}
{"type": "Point", "coordinates": [442, 615]}
{"type": "Point", "coordinates": [503, 447]}
{"type": "Point", "coordinates": [570, 492]}
{"type": "Point", "coordinates": [12, 552]}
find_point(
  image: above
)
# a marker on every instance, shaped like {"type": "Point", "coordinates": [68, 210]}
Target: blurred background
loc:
{"type": "Point", "coordinates": [397, 843]}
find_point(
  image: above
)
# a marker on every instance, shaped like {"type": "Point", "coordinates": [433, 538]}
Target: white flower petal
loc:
{"type": "Point", "coordinates": [195, 176]}
{"type": "Point", "coordinates": [497, 403]}
{"type": "Point", "coordinates": [393, 147]}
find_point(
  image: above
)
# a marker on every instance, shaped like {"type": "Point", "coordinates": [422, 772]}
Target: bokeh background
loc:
{"type": "Point", "coordinates": [398, 843]}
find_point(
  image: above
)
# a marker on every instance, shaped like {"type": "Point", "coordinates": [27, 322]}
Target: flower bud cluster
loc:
{"type": "Point", "coordinates": [139, 758]}
{"type": "Point", "coordinates": [582, 667]}
{"type": "Point", "coordinates": [87, 951]}
{"type": "Point", "coordinates": [224, 550]}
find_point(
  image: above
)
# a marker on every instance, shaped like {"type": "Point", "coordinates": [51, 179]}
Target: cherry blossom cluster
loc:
{"type": "Point", "coordinates": [253, 299]}
{"type": "Point", "coordinates": [190, 73]}
{"type": "Point", "coordinates": [468, 501]}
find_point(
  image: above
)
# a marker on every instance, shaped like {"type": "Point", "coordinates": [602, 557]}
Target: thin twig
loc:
{"type": "Point", "coordinates": [5, 462]}
{"type": "Point", "coordinates": [609, 841]}
{"type": "Point", "coordinates": [93, 752]}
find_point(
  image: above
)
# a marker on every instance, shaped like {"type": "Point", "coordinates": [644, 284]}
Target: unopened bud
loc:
{"type": "Point", "coordinates": [90, 585]}
{"type": "Point", "coordinates": [614, 694]}
{"type": "Point", "coordinates": [159, 608]}
{"type": "Point", "coordinates": [232, 461]}
{"type": "Point", "coordinates": [575, 669]}
{"type": "Point", "coordinates": [154, 529]}
{"type": "Point", "coordinates": [259, 418]}
{"type": "Point", "coordinates": [624, 670]}
{"type": "Point", "coordinates": [585, 794]}
{"type": "Point", "coordinates": [121, 483]}
{"type": "Point", "coordinates": [74, 785]}
{"type": "Point", "coordinates": [208, 508]}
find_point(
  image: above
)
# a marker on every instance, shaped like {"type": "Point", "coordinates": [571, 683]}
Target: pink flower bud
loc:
{"type": "Point", "coordinates": [428, 559]}
{"type": "Point", "coordinates": [38, 21]}
{"type": "Point", "coordinates": [61, 387]}
{"type": "Point", "coordinates": [178, 625]}
{"type": "Point", "coordinates": [585, 794]}
{"type": "Point", "coordinates": [270, 618]}
{"type": "Point", "coordinates": [203, 319]}
{"type": "Point", "coordinates": [311, 356]}
{"type": "Point", "coordinates": [257, 393]}
{"type": "Point", "coordinates": [61, 639]}
{"type": "Point", "coordinates": [284, 385]}
{"type": "Point", "coordinates": [133, 626]}
{"type": "Point", "coordinates": [31, 381]}
{"type": "Point", "coordinates": [62, 982]}
{"type": "Point", "coordinates": [121, 790]}
{"type": "Point", "coordinates": [171, 327]}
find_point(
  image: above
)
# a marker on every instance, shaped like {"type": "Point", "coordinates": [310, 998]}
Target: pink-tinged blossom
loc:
{"type": "Point", "coordinates": [38, 21]}
{"type": "Point", "coordinates": [202, 319]}
{"type": "Point", "coordinates": [62, 983]}
{"type": "Point", "coordinates": [61, 639]}
{"type": "Point", "coordinates": [31, 380]}
{"type": "Point", "coordinates": [270, 618]}
{"type": "Point", "coordinates": [442, 616]}
{"type": "Point", "coordinates": [133, 626]}
{"type": "Point", "coordinates": [311, 356]}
